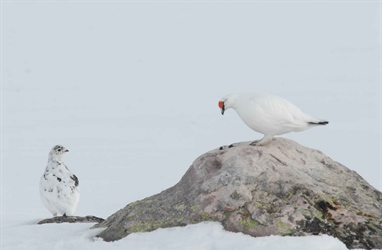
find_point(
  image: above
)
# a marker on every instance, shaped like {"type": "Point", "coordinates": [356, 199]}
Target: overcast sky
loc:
{"type": "Point", "coordinates": [95, 60]}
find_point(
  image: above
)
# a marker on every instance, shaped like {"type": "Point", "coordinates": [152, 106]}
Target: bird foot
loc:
{"type": "Point", "coordinates": [255, 143]}
{"type": "Point", "coordinates": [261, 142]}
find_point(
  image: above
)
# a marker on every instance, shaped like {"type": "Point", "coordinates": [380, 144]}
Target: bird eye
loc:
{"type": "Point", "coordinates": [59, 150]}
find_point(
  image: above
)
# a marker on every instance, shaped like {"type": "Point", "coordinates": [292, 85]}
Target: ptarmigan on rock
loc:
{"type": "Point", "coordinates": [269, 115]}
{"type": "Point", "coordinates": [59, 188]}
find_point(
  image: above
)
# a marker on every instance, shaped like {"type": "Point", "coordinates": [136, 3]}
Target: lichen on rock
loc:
{"type": "Point", "coordinates": [279, 189]}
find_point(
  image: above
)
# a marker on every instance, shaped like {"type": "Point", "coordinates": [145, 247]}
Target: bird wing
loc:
{"type": "Point", "coordinates": [277, 115]}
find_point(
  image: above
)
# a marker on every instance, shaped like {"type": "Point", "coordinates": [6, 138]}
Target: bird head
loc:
{"type": "Point", "coordinates": [57, 151]}
{"type": "Point", "coordinates": [221, 106]}
{"type": "Point", "coordinates": [226, 103]}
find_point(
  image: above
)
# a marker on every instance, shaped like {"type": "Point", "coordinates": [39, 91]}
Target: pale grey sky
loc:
{"type": "Point", "coordinates": [83, 61]}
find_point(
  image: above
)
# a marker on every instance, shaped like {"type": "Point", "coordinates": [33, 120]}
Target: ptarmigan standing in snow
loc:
{"type": "Point", "coordinates": [269, 115]}
{"type": "Point", "coordinates": [59, 188]}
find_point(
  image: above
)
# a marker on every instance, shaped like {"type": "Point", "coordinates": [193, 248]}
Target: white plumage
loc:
{"type": "Point", "coordinates": [269, 115]}
{"type": "Point", "coordinates": [59, 188]}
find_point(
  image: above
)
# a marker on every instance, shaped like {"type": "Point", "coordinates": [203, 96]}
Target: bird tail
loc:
{"type": "Point", "coordinates": [318, 123]}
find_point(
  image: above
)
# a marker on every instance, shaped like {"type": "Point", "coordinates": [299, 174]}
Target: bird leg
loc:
{"type": "Point", "coordinates": [264, 141]}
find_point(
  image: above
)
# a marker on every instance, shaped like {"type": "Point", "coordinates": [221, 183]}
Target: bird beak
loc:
{"type": "Point", "coordinates": [66, 150]}
{"type": "Point", "coordinates": [221, 106]}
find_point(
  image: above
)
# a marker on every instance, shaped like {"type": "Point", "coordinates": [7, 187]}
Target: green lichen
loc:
{"type": "Point", "coordinates": [180, 207]}
{"type": "Point", "coordinates": [327, 198]}
{"type": "Point", "coordinates": [141, 226]}
{"type": "Point", "coordinates": [317, 214]}
{"type": "Point", "coordinates": [283, 227]}
{"type": "Point", "coordinates": [134, 204]}
{"type": "Point", "coordinates": [195, 208]}
{"type": "Point", "coordinates": [146, 226]}
{"type": "Point", "coordinates": [265, 206]}
{"type": "Point", "coordinates": [179, 219]}
{"type": "Point", "coordinates": [205, 216]}
{"type": "Point", "coordinates": [290, 195]}
{"type": "Point", "coordinates": [248, 223]}
{"type": "Point", "coordinates": [311, 214]}
{"type": "Point", "coordinates": [306, 213]}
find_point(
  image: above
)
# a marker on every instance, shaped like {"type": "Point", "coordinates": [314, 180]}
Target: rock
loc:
{"type": "Point", "coordinates": [72, 219]}
{"type": "Point", "coordinates": [279, 189]}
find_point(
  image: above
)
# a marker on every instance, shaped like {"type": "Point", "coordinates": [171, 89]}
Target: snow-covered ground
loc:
{"type": "Point", "coordinates": [131, 89]}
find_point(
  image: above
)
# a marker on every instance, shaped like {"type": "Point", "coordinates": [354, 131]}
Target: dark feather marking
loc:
{"type": "Point", "coordinates": [59, 179]}
{"type": "Point", "coordinates": [75, 179]}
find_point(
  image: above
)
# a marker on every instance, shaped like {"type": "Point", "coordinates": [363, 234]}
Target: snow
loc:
{"type": "Point", "coordinates": [131, 89]}
{"type": "Point", "coordinates": [208, 235]}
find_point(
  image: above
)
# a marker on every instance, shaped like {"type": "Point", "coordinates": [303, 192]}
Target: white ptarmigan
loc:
{"type": "Point", "coordinates": [59, 188]}
{"type": "Point", "coordinates": [269, 115]}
